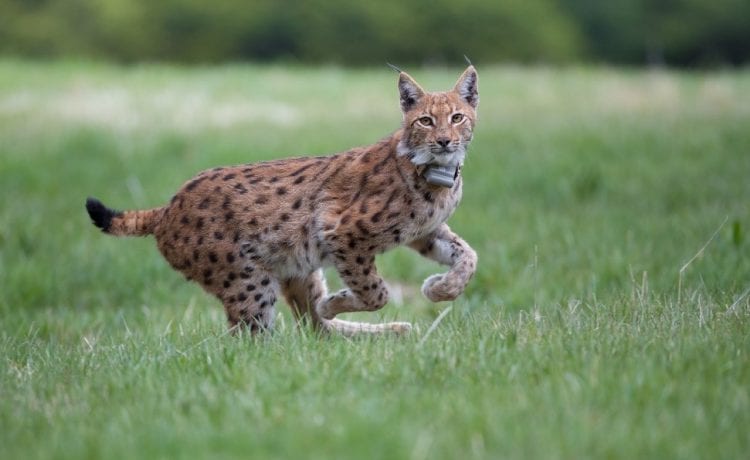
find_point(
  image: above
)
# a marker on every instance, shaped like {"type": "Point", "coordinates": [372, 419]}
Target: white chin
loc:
{"type": "Point", "coordinates": [423, 156]}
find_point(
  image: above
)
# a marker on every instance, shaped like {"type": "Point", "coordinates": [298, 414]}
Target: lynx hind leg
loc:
{"type": "Point", "coordinates": [304, 294]}
{"type": "Point", "coordinates": [249, 303]}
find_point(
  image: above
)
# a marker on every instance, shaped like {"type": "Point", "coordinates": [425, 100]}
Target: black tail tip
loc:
{"type": "Point", "coordinates": [100, 215]}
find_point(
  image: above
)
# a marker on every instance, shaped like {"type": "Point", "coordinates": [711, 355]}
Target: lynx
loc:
{"type": "Point", "coordinates": [248, 233]}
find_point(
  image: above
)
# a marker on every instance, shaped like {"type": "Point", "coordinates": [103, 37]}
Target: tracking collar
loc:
{"type": "Point", "coordinates": [444, 176]}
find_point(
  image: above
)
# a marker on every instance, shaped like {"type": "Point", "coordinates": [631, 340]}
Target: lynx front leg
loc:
{"type": "Point", "coordinates": [303, 294]}
{"type": "Point", "coordinates": [447, 248]}
{"type": "Point", "coordinates": [366, 289]}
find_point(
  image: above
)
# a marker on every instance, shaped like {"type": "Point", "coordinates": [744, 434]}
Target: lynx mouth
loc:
{"type": "Point", "coordinates": [441, 156]}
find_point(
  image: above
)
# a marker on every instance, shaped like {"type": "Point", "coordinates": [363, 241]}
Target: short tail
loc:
{"type": "Point", "coordinates": [123, 223]}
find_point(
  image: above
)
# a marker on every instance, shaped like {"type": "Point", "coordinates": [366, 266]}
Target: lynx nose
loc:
{"type": "Point", "coordinates": [443, 141]}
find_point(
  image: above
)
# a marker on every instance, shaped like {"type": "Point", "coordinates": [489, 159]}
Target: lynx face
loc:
{"type": "Point", "coordinates": [438, 126]}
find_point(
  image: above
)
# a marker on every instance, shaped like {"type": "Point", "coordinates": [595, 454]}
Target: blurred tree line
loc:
{"type": "Point", "coordinates": [672, 32]}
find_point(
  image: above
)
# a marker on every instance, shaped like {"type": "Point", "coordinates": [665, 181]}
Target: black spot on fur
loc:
{"type": "Point", "coordinates": [194, 183]}
{"type": "Point", "coordinates": [101, 215]}
{"type": "Point", "coordinates": [300, 170]}
{"type": "Point", "coordinates": [362, 227]}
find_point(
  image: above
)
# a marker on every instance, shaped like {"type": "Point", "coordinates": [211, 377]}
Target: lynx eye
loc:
{"type": "Point", "coordinates": [457, 118]}
{"type": "Point", "coordinates": [425, 121]}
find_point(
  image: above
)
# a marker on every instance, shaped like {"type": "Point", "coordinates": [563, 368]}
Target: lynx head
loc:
{"type": "Point", "coordinates": [438, 126]}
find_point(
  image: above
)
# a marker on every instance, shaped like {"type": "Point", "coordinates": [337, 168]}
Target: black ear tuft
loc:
{"type": "Point", "coordinates": [100, 215]}
{"type": "Point", "coordinates": [394, 67]}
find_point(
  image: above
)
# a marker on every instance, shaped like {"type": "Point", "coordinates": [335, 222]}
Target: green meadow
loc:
{"type": "Point", "coordinates": [609, 317]}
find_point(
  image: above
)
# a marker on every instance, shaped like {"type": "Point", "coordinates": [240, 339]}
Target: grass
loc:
{"type": "Point", "coordinates": [590, 329]}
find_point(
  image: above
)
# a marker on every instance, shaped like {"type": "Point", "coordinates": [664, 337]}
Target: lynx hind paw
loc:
{"type": "Point", "coordinates": [399, 328]}
{"type": "Point", "coordinates": [439, 288]}
{"type": "Point", "coordinates": [353, 329]}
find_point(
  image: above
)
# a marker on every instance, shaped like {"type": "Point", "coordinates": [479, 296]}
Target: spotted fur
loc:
{"type": "Point", "coordinates": [249, 233]}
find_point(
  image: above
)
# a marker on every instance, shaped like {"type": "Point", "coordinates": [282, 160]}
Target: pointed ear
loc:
{"type": "Point", "coordinates": [409, 90]}
{"type": "Point", "coordinates": [467, 86]}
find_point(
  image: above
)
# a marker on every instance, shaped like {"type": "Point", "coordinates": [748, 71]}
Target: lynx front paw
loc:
{"type": "Point", "coordinates": [440, 288]}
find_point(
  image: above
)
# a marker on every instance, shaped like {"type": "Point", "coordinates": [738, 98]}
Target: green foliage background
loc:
{"type": "Point", "coordinates": [676, 32]}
